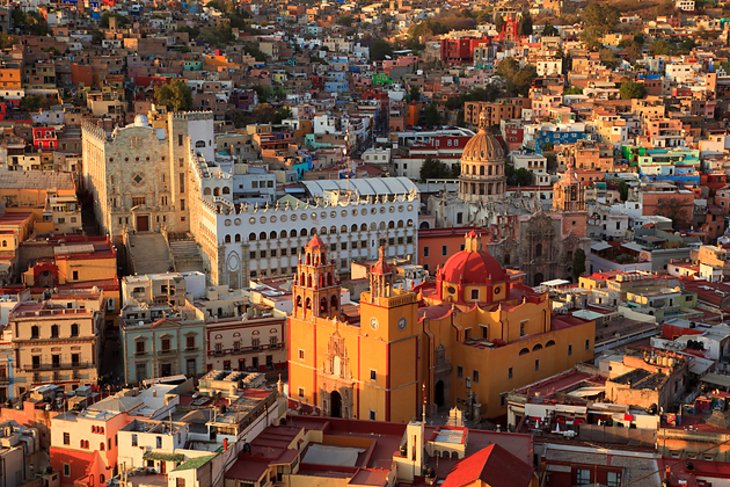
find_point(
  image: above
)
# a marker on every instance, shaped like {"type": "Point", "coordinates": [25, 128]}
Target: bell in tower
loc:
{"type": "Point", "coordinates": [381, 277]}
{"type": "Point", "coordinates": [316, 291]}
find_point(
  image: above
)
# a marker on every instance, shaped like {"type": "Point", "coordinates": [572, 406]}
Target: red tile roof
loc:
{"type": "Point", "coordinates": [494, 466]}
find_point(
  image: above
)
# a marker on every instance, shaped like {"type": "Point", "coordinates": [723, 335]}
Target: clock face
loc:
{"type": "Point", "coordinates": [402, 324]}
{"type": "Point", "coordinates": [374, 323]}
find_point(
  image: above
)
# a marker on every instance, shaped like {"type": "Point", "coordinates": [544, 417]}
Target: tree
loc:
{"type": "Point", "coordinates": [573, 90]}
{"type": "Point", "coordinates": [175, 95]}
{"type": "Point", "coordinates": [431, 116]}
{"type": "Point", "coordinates": [519, 79]}
{"type": "Point", "coordinates": [659, 48]}
{"type": "Point", "coordinates": [623, 190]}
{"type": "Point", "coordinates": [549, 31]}
{"type": "Point", "coordinates": [631, 89]}
{"type": "Point", "coordinates": [609, 58]}
{"type": "Point", "coordinates": [601, 17]}
{"type": "Point", "coordinates": [6, 41]}
{"type": "Point", "coordinates": [380, 49]}
{"type": "Point", "coordinates": [579, 264]}
{"type": "Point", "coordinates": [435, 169]}
{"type": "Point", "coordinates": [526, 24]}
{"type": "Point", "coordinates": [32, 103]}
{"type": "Point", "coordinates": [345, 20]}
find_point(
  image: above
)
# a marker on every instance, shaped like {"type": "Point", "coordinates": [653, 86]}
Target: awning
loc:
{"type": "Point", "coordinates": [717, 379]}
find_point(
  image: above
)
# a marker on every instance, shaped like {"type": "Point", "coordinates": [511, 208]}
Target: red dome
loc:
{"type": "Point", "coordinates": [472, 267]}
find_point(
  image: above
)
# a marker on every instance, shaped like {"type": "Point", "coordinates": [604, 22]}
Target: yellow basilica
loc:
{"type": "Point", "coordinates": [464, 340]}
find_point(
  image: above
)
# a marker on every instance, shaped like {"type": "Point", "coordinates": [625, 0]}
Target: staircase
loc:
{"type": "Point", "coordinates": [186, 255]}
{"type": "Point", "coordinates": [147, 253]}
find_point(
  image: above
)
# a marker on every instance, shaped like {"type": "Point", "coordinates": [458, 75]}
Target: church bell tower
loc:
{"type": "Point", "coordinates": [316, 291]}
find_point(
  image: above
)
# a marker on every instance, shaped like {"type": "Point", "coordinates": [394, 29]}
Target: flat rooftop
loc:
{"type": "Point", "coordinates": [36, 180]}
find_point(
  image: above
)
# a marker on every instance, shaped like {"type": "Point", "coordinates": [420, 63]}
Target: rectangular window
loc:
{"type": "Point", "coordinates": [583, 476]}
{"type": "Point", "coordinates": [134, 440]}
{"type": "Point", "coordinates": [190, 342]}
{"type": "Point", "coordinates": [301, 354]}
{"type": "Point", "coordinates": [537, 364]}
{"type": "Point", "coordinates": [613, 479]}
{"type": "Point", "coordinates": [373, 374]}
{"type": "Point", "coordinates": [75, 275]}
{"type": "Point", "coordinates": [255, 343]}
{"type": "Point", "coordinates": [179, 139]}
{"type": "Point", "coordinates": [66, 470]}
{"type": "Point", "coordinates": [66, 438]}
{"type": "Point", "coordinates": [459, 371]}
{"type": "Point", "coordinates": [274, 341]}
{"type": "Point", "coordinates": [523, 328]}
{"type": "Point", "coordinates": [570, 350]}
{"type": "Point", "coordinates": [475, 294]}
{"type": "Point", "coordinates": [509, 373]}
{"type": "Point", "coordinates": [475, 376]}
{"type": "Point", "coordinates": [444, 250]}
{"type": "Point", "coordinates": [138, 201]}
{"type": "Point", "coordinates": [301, 392]}
{"type": "Point", "coordinates": [372, 415]}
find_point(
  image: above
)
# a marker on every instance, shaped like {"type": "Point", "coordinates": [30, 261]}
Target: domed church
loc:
{"type": "Point", "coordinates": [520, 230]}
{"type": "Point", "coordinates": [464, 340]}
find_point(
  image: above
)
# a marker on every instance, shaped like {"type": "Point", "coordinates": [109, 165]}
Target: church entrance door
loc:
{"type": "Point", "coordinates": [439, 394]}
{"type": "Point", "coordinates": [335, 404]}
{"type": "Point", "coordinates": [143, 223]}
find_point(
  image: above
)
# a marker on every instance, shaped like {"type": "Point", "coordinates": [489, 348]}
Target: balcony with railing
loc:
{"type": "Point", "coordinates": [57, 366]}
{"type": "Point", "coordinates": [240, 350]}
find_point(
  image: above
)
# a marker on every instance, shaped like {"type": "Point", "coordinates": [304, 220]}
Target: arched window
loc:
{"type": "Point", "coordinates": [251, 237]}
{"type": "Point", "coordinates": [333, 230]}
{"type": "Point", "coordinates": [321, 280]}
{"type": "Point", "coordinates": [226, 190]}
{"type": "Point", "coordinates": [323, 305]}
{"type": "Point", "coordinates": [74, 330]}
{"type": "Point", "coordinates": [262, 236]}
{"type": "Point", "coordinates": [537, 347]}
{"type": "Point", "coordinates": [308, 259]}
{"type": "Point", "coordinates": [550, 343]}
{"type": "Point", "coordinates": [272, 235]}
{"type": "Point", "coordinates": [353, 228]}
{"type": "Point", "coordinates": [343, 229]}
{"type": "Point", "coordinates": [400, 224]}
{"type": "Point", "coordinates": [524, 351]}
{"type": "Point", "coordinates": [309, 280]}
{"type": "Point", "coordinates": [299, 301]}
{"type": "Point", "coordinates": [363, 228]}
{"type": "Point", "coordinates": [238, 238]}
{"type": "Point", "coordinates": [206, 191]}
{"type": "Point", "coordinates": [54, 331]}
{"type": "Point", "coordinates": [323, 231]}
{"type": "Point", "coordinates": [303, 232]}
{"type": "Point", "coordinates": [282, 234]}
{"type": "Point", "coordinates": [333, 302]}
{"type": "Point", "coordinates": [227, 239]}
{"type": "Point", "coordinates": [507, 259]}
{"type": "Point", "coordinates": [292, 234]}
{"type": "Point", "coordinates": [200, 144]}
{"type": "Point", "coordinates": [308, 304]}
{"type": "Point", "coordinates": [216, 191]}
{"type": "Point", "coordinates": [34, 331]}
{"type": "Point", "coordinates": [302, 280]}
{"type": "Point", "coordinates": [391, 224]}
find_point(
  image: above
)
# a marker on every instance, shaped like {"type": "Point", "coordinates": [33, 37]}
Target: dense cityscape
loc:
{"type": "Point", "coordinates": [343, 243]}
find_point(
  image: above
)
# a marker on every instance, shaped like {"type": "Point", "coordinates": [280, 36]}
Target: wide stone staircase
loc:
{"type": "Point", "coordinates": [186, 256]}
{"type": "Point", "coordinates": [147, 253]}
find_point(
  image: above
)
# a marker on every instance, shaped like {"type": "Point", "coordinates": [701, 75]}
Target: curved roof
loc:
{"type": "Point", "coordinates": [483, 147]}
{"type": "Point", "coordinates": [472, 265]}
{"type": "Point", "coordinates": [363, 186]}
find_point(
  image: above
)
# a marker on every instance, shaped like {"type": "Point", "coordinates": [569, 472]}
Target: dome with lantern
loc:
{"type": "Point", "coordinates": [472, 275]}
